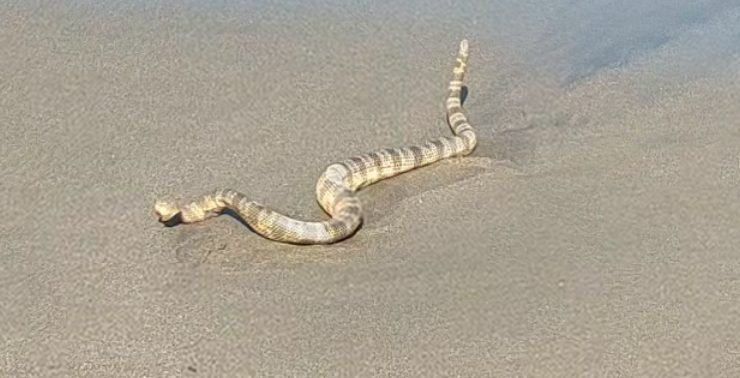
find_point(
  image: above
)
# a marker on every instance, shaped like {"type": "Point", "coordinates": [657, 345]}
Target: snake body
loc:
{"type": "Point", "coordinates": [336, 187]}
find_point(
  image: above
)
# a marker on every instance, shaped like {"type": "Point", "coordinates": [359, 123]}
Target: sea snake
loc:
{"type": "Point", "coordinates": [336, 187]}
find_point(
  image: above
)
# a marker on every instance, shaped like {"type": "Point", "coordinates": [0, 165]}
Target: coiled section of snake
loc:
{"type": "Point", "coordinates": [335, 189]}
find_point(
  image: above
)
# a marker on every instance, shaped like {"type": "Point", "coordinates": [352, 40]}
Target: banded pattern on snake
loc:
{"type": "Point", "coordinates": [336, 187]}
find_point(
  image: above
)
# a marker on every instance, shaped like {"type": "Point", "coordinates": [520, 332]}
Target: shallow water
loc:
{"type": "Point", "coordinates": [571, 39]}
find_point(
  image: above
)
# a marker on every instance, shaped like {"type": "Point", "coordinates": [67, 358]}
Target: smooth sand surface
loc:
{"type": "Point", "coordinates": [595, 232]}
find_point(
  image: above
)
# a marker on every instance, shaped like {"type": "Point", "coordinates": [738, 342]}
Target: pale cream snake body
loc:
{"type": "Point", "coordinates": [335, 189]}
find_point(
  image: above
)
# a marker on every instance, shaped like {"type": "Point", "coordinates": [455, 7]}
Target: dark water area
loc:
{"type": "Point", "coordinates": [571, 39]}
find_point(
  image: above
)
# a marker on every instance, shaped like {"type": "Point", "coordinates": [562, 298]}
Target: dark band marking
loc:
{"type": "Point", "coordinates": [418, 154]}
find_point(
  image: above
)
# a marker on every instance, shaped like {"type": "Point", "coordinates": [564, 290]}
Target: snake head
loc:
{"type": "Point", "coordinates": [166, 210]}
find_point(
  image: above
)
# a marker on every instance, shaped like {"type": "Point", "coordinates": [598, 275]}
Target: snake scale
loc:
{"type": "Point", "coordinates": [336, 187]}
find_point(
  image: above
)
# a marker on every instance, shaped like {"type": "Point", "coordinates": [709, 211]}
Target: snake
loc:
{"type": "Point", "coordinates": [336, 188]}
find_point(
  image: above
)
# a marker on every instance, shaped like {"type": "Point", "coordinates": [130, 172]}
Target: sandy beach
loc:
{"type": "Point", "coordinates": [594, 232]}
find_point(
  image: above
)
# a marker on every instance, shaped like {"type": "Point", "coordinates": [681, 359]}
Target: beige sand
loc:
{"type": "Point", "coordinates": [594, 232]}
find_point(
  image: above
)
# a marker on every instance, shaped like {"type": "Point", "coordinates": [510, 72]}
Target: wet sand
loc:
{"type": "Point", "coordinates": [594, 231]}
